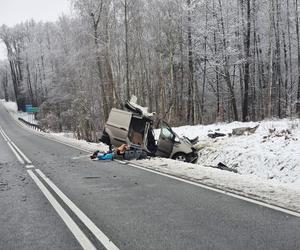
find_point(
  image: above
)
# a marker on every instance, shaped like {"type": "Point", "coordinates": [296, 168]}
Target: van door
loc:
{"type": "Point", "coordinates": [165, 142]}
{"type": "Point", "coordinates": [117, 126]}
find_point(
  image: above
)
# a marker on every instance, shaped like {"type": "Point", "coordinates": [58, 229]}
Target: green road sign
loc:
{"type": "Point", "coordinates": [33, 110]}
{"type": "Point", "coordinates": [28, 106]}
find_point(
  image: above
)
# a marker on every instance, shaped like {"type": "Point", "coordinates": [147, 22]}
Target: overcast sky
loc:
{"type": "Point", "coordinates": [17, 11]}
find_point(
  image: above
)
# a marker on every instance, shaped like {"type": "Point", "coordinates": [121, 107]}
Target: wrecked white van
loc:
{"type": "Point", "coordinates": [135, 127]}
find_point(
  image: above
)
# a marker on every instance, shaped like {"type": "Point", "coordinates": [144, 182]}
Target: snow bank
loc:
{"type": "Point", "coordinates": [69, 138]}
{"type": "Point", "coordinates": [10, 106]}
{"type": "Point", "coordinates": [272, 152]}
{"type": "Point", "coordinates": [13, 108]}
{"type": "Point", "coordinates": [267, 163]}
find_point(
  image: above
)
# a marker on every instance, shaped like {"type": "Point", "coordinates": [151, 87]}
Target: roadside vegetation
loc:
{"type": "Point", "coordinates": [192, 62]}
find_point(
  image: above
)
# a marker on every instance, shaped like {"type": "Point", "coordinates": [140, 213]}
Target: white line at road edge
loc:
{"type": "Point", "coordinates": [107, 243]}
{"type": "Point", "coordinates": [281, 209]}
{"type": "Point", "coordinates": [237, 196]}
{"type": "Point", "coordinates": [79, 235]}
{"type": "Point", "coordinates": [47, 136]}
{"type": "Point", "coordinates": [202, 185]}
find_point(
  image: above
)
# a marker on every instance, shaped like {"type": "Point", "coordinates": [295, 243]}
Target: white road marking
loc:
{"type": "Point", "coordinates": [257, 202]}
{"type": "Point", "coordinates": [21, 153]}
{"type": "Point", "coordinates": [281, 209]}
{"type": "Point", "coordinates": [248, 199]}
{"type": "Point", "coordinates": [107, 243]}
{"type": "Point", "coordinates": [4, 135]}
{"type": "Point", "coordinates": [79, 235]}
{"type": "Point", "coordinates": [16, 153]}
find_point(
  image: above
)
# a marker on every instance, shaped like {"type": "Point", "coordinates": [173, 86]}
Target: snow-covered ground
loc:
{"type": "Point", "coordinates": [12, 107]}
{"type": "Point", "coordinates": [268, 161]}
{"type": "Point", "coordinates": [272, 152]}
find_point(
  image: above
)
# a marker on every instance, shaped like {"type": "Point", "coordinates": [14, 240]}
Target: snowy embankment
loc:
{"type": "Point", "coordinates": [12, 107]}
{"type": "Point", "coordinates": [268, 161]}
{"type": "Point", "coordinates": [272, 152]}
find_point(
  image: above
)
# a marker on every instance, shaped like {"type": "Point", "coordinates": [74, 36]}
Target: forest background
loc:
{"type": "Point", "coordinates": [192, 62]}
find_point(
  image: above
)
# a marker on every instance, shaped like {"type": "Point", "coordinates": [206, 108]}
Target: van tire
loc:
{"type": "Point", "coordinates": [180, 157]}
{"type": "Point", "coordinates": [105, 138]}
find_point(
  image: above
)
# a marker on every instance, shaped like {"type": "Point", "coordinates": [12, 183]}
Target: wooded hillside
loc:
{"type": "Point", "coordinates": [190, 61]}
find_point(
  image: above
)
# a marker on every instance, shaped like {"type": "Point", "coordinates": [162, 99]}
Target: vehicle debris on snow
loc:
{"type": "Point", "coordinates": [215, 135]}
{"type": "Point", "coordinates": [244, 130]}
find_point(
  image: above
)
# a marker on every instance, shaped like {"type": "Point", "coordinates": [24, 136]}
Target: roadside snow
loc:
{"type": "Point", "coordinates": [13, 108]}
{"type": "Point", "coordinates": [67, 138]}
{"type": "Point", "coordinates": [268, 162]}
{"type": "Point", "coordinates": [272, 152]}
{"type": "Point", "coordinates": [10, 106]}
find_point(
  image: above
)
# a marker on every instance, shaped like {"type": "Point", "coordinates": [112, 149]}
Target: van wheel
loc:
{"type": "Point", "coordinates": [180, 157]}
{"type": "Point", "coordinates": [105, 138]}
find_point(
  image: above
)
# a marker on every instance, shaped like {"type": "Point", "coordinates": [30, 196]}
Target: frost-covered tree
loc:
{"type": "Point", "coordinates": [190, 61]}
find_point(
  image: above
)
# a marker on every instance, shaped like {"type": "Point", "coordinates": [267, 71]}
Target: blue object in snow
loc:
{"type": "Point", "coordinates": [105, 157]}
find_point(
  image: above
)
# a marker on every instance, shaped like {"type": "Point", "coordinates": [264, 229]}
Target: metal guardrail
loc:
{"type": "Point", "coordinates": [32, 125]}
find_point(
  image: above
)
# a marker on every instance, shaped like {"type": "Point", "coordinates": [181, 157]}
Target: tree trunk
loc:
{"type": "Point", "coordinates": [128, 91]}
{"type": "Point", "coordinates": [190, 107]}
{"type": "Point", "coordinates": [290, 91]}
{"type": "Point", "coordinates": [269, 107]}
{"type": "Point", "coordinates": [29, 85]}
{"type": "Point", "coordinates": [95, 21]}
{"type": "Point", "coordinates": [247, 40]}
{"type": "Point", "coordinates": [5, 85]}
{"type": "Point", "coordinates": [298, 55]}
{"type": "Point", "coordinates": [205, 68]}
{"type": "Point", "coordinates": [226, 67]}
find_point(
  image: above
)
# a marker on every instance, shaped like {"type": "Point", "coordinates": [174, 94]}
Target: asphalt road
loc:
{"type": "Point", "coordinates": [134, 208]}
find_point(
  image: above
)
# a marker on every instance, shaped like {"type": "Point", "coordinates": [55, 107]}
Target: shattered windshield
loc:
{"type": "Point", "coordinates": [166, 132]}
